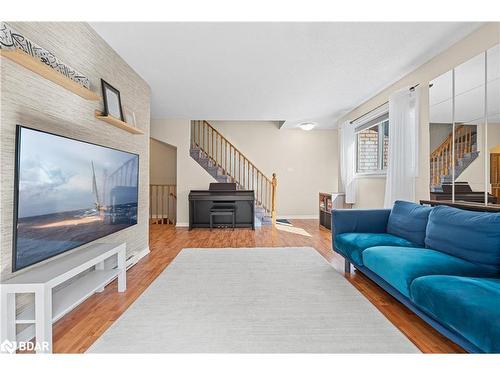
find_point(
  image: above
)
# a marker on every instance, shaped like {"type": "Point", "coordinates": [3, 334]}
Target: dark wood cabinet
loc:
{"type": "Point", "coordinates": [327, 202]}
{"type": "Point", "coordinates": [325, 208]}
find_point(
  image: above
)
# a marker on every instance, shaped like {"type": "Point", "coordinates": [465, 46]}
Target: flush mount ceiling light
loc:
{"type": "Point", "coordinates": [307, 125]}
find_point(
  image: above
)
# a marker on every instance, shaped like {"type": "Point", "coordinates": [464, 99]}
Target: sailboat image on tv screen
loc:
{"type": "Point", "coordinates": [117, 203]}
{"type": "Point", "coordinates": [98, 206]}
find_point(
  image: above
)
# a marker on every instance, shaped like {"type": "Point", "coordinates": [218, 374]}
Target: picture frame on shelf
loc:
{"type": "Point", "coordinates": [112, 101]}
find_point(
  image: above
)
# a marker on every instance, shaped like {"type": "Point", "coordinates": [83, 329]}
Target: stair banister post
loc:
{"type": "Point", "coordinates": [273, 204]}
{"type": "Point", "coordinates": [216, 150]}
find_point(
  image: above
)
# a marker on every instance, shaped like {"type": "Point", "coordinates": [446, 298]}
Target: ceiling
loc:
{"type": "Point", "coordinates": [289, 72]}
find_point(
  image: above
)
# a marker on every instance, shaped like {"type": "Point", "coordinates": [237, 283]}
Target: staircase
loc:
{"type": "Point", "coordinates": [465, 153]}
{"type": "Point", "coordinates": [224, 162]}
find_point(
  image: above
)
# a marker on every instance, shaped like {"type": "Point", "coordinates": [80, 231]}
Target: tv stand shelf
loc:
{"type": "Point", "coordinates": [51, 305]}
{"type": "Point", "coordinates": [68, 298]}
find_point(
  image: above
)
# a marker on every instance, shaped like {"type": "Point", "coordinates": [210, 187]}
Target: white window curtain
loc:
{"type": "Point", "coordinates": [348, 161]}
{"type": "Point", "coordinates": [402, 167]}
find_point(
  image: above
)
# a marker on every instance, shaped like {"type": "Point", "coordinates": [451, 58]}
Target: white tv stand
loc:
{"type": "Point", "coordinates": [51, 305]}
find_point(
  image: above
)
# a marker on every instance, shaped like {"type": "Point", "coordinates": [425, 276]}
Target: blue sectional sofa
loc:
{"type": "Point", "coordinates": [443, 263]}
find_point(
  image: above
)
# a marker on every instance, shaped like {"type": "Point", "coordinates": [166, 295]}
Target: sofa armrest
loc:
{"type": "Point", "coordinates": [359, 221]}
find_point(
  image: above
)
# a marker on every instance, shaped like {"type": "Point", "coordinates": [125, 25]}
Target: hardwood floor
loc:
{"type": "Point", "coordinates": [80, 328]}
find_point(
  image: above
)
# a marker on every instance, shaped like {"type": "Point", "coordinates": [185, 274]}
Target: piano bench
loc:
{"type": "Point", "coordinates": [222, 211]}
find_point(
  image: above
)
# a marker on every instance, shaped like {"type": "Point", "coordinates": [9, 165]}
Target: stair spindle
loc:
{"type": "Point", "coordinates": [168, 204]}
{"type": "Point", "coordinates": [157, 200]}
{"type": "Point", "coordinates": [253, 177]}
{"type": "Point", "coordinates": [162, 201]}
{"type": "Point", "coordinates": [199, 133]}
{"type": "Point", "coordinates": [273, 203]}
{"type": "Point", "coordinates": [216, 151]}
{"type": "Point", "coordinates": [192, 132]}
{"type": "Point", "coordinates": [150, 202]}
{"type": "Point", "coordinates": [262, 183]}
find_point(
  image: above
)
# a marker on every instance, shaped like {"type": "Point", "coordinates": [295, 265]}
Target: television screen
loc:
{"type": "Point", "coordinates": [68, 193]}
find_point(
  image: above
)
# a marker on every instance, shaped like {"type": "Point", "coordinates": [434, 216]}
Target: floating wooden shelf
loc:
{"type": "Point", "coordinates": [47, 72]}
{"type": "Point", "coordinates": [118, 123]}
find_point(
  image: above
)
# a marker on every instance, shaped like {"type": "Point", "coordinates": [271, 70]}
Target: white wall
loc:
{"type": "Point", "coordinates": [162, 163]}
{"type": "Point", "coordinates": [477, 42]}
{"type": "Point", "coordinates": [437, 134]}
{"type": "Point", "coordinates": [370, 192]}
{"type": "Point", "coordinates": [190, 176]}
{"type": "Point", "coordinates": [305, 162]}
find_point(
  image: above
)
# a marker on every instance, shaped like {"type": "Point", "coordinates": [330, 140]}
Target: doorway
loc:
{"type": "Point", "coordinates": [163, 183]}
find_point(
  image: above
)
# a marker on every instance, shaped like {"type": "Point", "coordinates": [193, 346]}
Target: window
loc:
{"type": "Point", "coordinates": [372, 145]}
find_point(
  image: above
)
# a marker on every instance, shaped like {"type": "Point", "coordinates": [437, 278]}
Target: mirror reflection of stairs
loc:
{"type": "Point", "coordinates": [441, 158]}
{"type": "Point", "coordinates": [226, 163]}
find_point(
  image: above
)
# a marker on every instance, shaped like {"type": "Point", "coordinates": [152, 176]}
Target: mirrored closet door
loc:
{"type": "Point", "coordinates": [465, 132]}
{"type": "Point", "coordinates": [493, 120]}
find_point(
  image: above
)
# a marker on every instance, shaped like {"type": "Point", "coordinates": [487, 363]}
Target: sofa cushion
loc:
{"type": "Point", "coordinates": [359, 221]}
{"type": "Point", "coordinates": [353, 244]}
{"type": "Point", "coordinates": [473, 236]}
{"type": "Point", "coordinates": [400, 266]}
{"type": "Point", "coordinates": [470, 306]}
{"type": "Point", "coordinates": [409, 220]}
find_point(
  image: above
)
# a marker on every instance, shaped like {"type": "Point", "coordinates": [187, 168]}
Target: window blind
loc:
{"type": "Point", "coordinates": [371, 118]}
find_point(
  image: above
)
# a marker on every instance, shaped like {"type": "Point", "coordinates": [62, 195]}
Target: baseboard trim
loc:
{"type": "Point", "coordinates": [300, 217]}
{"type": "Point", "coordinates": [132, 261]}
{"type": "Point", "coordinates": [303, 217]}
{"type": "Point", "coordinates": [28, 333]}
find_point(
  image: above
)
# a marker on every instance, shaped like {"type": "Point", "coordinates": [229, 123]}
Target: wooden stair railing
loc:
{"type": "Point", "coordinates": [440, 159]}
{"type": "Point", "coordinates": [162, 203]}
{"type": "Point", "coordinates": [224, 155]}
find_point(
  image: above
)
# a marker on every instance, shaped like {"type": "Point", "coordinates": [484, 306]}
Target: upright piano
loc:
{"type": "Point", "coordinates": [201, 202]}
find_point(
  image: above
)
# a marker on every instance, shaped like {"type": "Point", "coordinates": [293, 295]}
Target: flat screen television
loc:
{"type": "Point", "coordinates": [68, 193]}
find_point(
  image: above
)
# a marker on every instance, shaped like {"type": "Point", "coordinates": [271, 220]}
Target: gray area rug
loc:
{"type": "Point", "coordinates": [259, 300]}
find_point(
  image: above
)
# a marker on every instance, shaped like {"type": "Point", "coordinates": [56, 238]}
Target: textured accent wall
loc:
{"type": "Point", "coordinates": [28, 99]}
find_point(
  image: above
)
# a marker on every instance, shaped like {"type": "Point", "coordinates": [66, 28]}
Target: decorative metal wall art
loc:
{"type": "Point", "coordinates": [12, 40]}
